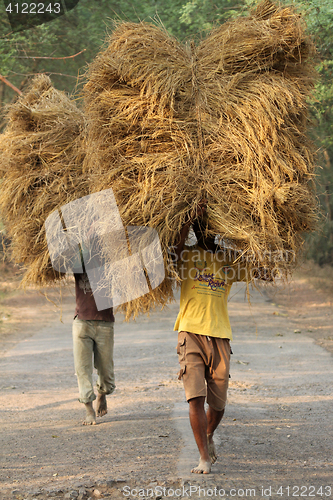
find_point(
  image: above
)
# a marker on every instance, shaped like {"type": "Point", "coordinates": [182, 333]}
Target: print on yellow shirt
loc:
{"type": "Point", "coordinates": [207, 280]}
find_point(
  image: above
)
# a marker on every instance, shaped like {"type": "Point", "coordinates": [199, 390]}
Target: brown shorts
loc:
{"type": "Point", "coordinates": [204, 367]}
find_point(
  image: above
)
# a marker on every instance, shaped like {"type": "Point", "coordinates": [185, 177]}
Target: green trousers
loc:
{"type": "Point", "coordinates": [93, 340]}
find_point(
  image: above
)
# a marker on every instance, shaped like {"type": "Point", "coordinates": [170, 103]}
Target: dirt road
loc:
{"type": "Point", "coordinates": [275, 440]}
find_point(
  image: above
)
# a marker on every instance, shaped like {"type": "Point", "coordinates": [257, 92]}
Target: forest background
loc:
{"type": "Point", "coordinates": [48, 48]}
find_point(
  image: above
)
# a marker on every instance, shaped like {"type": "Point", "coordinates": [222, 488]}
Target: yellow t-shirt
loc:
{"type": "Point", "coordinates": [207, 280]}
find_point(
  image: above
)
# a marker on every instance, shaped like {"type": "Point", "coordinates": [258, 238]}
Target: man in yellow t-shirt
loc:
{"type": "Point", "coordinates": [204, 335]}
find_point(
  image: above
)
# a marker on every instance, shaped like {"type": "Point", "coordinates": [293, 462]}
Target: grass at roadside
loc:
{"type": "Point", "coordinates": [321, 278]}
{"type": "Point", "coordinates": [10, 277]}
{"type": "Point", "coordinates": [22, 310]}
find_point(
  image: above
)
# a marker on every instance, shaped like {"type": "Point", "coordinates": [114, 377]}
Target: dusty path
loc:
{"type": "Point", "coordinates": [277, 432]}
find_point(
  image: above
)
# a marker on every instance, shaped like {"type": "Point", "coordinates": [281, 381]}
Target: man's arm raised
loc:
{"type": "Point", "coordinates": [196, 212]}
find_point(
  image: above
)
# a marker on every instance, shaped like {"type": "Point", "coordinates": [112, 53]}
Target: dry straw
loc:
{"type": "Point", "coordinates": [172, 124]}
{"type": "Point", "coordinates": [167, 126]}
{"type": "Point", "coordinates": [41, 155]}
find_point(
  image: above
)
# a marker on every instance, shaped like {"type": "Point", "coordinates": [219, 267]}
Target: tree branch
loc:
{"type": "Point", "coordinates": [46, 57]}
{"type": "Point", "coordinates": [2, 78]}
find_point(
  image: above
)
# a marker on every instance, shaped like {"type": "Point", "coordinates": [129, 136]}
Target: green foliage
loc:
{"type": "Point", "coordinates": [203, 15]}
{"type": "Point", "coordinates": [319, 17]}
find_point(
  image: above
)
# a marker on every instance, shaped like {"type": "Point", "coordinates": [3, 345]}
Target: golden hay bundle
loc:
{"type": "Point", "coordinates": [170, 125]}
{"type": "Point", "coordinates": [41, 155]}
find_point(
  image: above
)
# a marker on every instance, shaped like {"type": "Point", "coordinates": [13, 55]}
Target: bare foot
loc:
{"type": "Point", "coordinates": [101, 407]}
{"type": "Point", "coordinates": [203, 467]}
{"type": "Point", "coordinates": [211, 448]}
{"type": "Point", "coordinates": [90, 415]}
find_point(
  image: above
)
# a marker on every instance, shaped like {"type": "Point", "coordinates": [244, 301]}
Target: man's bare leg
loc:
{"type": "Point", "coordinates": [214, 417]}
{"type": "Point", "coordinates": [101, 407]}
{"type": "Point", "coordinates": [198, 420]}
{"type": "Point", "coordinates": [90, 414]}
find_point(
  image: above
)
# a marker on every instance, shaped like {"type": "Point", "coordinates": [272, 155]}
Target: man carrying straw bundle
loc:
{"type": "Point", "coordinates": [205, 333]}
{"type": "Point", "coordinates": [93, 336]}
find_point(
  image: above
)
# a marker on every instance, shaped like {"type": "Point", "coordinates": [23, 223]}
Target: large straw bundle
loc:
{"type": "Point", "coordinates": [41, 155]}
{"type": "Point", "coordinates": [170, 125]}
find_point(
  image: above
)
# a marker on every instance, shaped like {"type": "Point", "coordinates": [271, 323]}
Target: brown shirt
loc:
{"type": "Point", "coordinates": [85, 303]}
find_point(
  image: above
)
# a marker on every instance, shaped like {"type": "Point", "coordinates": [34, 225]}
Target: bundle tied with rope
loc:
{"type": "Point", "coordinates": [169, 125]}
